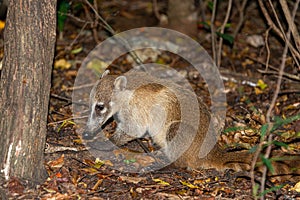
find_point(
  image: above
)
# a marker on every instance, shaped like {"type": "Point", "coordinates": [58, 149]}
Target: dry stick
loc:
{"type": "Point", "coordinates": [78, 19]}
{"type": "Point", "coordinates": [212, 28]}
{"type": "Point", "coordinates": [241, 20]}
{"type": "Point", "coordinates": [282, 30]}
{"type": "Point", "coordinates": [112, 31]}
{"type": "Point", "coordinates": [93, 26]}
{"type": "Point", "coordinates": [268, 48]}
{"type": "Point", "coordinates": [295, 53]}
{"type": "Point", "coordinates": [155, 9]}
{"type": "Point", "coordinates": [219, 56]}
{"type": "Point", "coordinates": [286, 75]}
{"type": "Point", "coordinates": [79, 87]}
{"type": "Point", "coordinates": [291, 23]}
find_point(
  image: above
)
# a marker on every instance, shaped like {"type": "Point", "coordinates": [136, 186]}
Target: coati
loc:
{"type": "Point", "coordinates": [143, 104]}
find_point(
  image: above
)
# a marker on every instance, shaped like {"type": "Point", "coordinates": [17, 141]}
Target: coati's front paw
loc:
{"type": "Point", "coordinates": [120, 138]}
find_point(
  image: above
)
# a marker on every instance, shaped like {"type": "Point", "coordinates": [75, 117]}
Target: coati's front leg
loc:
{"type": "Point", "coordinates": [120, 137]}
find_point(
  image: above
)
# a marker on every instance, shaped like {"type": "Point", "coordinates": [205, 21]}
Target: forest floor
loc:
{"type": "Point", "coordinates": [75, 174]}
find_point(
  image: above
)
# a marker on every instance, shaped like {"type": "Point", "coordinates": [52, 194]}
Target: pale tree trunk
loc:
{"type": "Point", "coordinates": [29, 37]}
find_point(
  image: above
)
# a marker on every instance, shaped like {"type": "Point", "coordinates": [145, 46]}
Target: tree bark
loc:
{"type": "Point", "coordinates": [29, 37]}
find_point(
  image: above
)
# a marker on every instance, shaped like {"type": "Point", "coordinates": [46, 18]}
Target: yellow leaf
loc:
{"type": "Point", "coordinates": [2, 24]}
{"type": "Point", "coordinates": [296, 187]}
{"type": "Point", "coordinates": [77, 141]}
{"type": "Point", "coordinates": [189, 185]}
{"type": "Point", "coordinates": [161, 182]}
{"type": "Point", "coordinates": [258, 91]}
{"type": "Point", "coordinates": [62, 64]}
{"type": "Point", "coordinates": [90, 170]}
{"type": "Point", "coordinates": [261, 84]}
{"type": "Point", "coordinates": [98, 163]}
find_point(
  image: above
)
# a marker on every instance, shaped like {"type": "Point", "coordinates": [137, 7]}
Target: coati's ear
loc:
{"type": "Point", "coordinates": [120, 83]}
{"type": "Point", "coordinates": [105, 73]}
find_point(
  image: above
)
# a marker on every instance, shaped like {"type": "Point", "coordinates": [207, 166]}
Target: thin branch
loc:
{"type": "Point", "coordinates": [155, 9]}
{"type": "Point", "coordinates": [241, 10]}
{"type": "Point", "coordinates": [268, 48]}
{"type": "Point", "coordinates": [287, 41]}
{"type": "Point", "coordinates": [222, 32]}
{"type": "Point", "coordinates": [120, 39]}
{"type": "Point", "coordinates": [291, 23]}
{"type": "Point", "coordinates": [295, 53]}
{"type": "Point", "coordinates": [212, 28]}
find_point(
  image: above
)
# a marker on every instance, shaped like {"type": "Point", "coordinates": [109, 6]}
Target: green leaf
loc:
{"type": "Point", "coordinates": [76, 51]}
{"type": "Point", "coordinates": [263, 130]}
{"type": "Point", "coordinates": [274, 188]}
{"type": "Point", "coordinates": [253, 149]}
{"type": "Point", "coordinates": [129, 161]}
{"type": "Point", "coordinates": [280, 122]}
{"type": "Point", "coordinates": [226, 37]}
{"type": "Point", "coordinates": [268, 163]}
{"type": "Point", "coordinates": [280, 144]}
{"type": "Point", "coordinates": [228, 25]}
{"type": "Point", "coordinates": [210, 5]}
{"type": "Point", "coordinates": [255, 190]}
{"type": "Point", "coordinates": [63, 8]}
{"type": "Point", "coordinates": [234, 129]}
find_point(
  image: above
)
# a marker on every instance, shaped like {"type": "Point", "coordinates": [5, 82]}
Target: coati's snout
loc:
{"type": "Point", "coordinates": [96, 121]}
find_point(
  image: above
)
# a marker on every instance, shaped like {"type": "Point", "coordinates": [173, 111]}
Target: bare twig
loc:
{"type": "Point", "coordinates": [286, 75]}
{"type": "Point", "coordinates": [76, 18]}
{"type": "Point", "coordinates": [68, 100]}
{"type": "Point", "coordinates": [79, 87]}
{"type": "Point", "coordinates": [93, 25]}
{"type": "Point", "coordinates": [241, 10]}
{"type": "Point", "coordinates": [268, 48]}
{"type": "Point", "coordinates": [155, 9]}
{"type": "Point", "coordinates": [291, 23]}
{"type": "Point", "coordinates": [275, 72]}
{"type": "Point", "coordinates": [120, 39]}
{"type": "Point", "coordinates": [295, 53]}
{"type": "Point", "coordinates": [219, 56]}
{"type": "Point", "coordinates": [212, 28]}
{"type": "Point", "coordinates": [287, 41]}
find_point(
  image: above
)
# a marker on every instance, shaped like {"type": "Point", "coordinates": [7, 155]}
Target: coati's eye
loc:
{"type": "Point", "coordinates": [100, 109]}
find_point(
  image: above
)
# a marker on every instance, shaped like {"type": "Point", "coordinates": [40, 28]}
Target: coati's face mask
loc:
{"type": "Point", "coordinates": [104, 101]}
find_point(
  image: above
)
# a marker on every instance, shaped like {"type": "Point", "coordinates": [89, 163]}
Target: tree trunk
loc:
{"type": "Point", "coordinates": [29, 37]}
{"type": "Point", "coordinates": [183, 16]}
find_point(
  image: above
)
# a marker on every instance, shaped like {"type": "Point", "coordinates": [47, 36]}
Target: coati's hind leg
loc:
{"type": "Point", "coordinates": [180, 149]}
